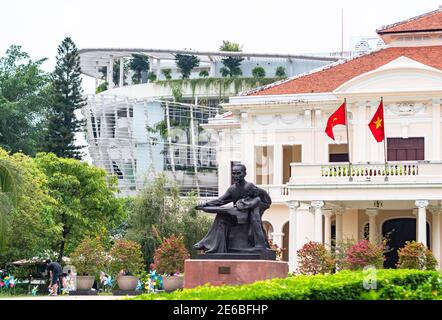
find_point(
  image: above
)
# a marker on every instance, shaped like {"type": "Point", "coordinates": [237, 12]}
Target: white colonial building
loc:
{"type": "Point", "coordinates": [277, 131]}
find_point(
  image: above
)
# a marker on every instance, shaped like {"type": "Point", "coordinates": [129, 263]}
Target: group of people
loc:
{"type": "Point", "coordinates": [57, 277]}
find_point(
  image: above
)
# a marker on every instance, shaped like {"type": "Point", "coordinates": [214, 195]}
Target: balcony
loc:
{"type": "Point", "coordinates": [366, 173]}
{"type": "Point", "coordinates": [371, 181]}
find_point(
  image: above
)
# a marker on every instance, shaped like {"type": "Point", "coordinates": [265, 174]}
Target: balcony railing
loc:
{"type": "Point", "coordinates": [276, 190]}
{"type": "Point", "coordinates": [400, 171]}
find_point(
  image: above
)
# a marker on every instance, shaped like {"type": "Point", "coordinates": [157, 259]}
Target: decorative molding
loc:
{"type": "Point", "coordinates": [421, 203]}
{"type": "Point", "coordinates": [405, 109]}
{"type": "Point", "coordinates": [293, 204]}
{"type": "Point", "coordinates": [265, 119]}
{"type": "Point", "coordinates": [317, 204]}
{"type": "Point", "coordinates": [371, 212]}
{"type": "Point", "coordinates": [290, 119]}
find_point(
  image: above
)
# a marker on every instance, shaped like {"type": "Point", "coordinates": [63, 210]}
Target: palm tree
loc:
{"type": "Point", "coordinates": [9, 189]}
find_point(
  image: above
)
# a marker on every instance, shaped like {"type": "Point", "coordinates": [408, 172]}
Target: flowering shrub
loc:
{"type": "Point", "coordinates": [126, 255]}
{"type": "Point", "coordinates": [89, 257]}
{"type": "Point", "coordinates": [416, 256]}
{"type": "Point", "coordinates": [365, 253]}
{"type": "Point", "coordinates": [314, 258]}
{"type": "Point", "coordinates": [170, 255]}
{"type": "Point", "coordinates": [277, 249]}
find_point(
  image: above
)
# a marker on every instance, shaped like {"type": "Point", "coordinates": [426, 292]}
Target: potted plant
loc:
{"type": "Point", "coordinates": [88, 258]}
{"type": "Point", "coordinates": [126, 262]}
{"type": "Point", "coordinates": [169, 260]}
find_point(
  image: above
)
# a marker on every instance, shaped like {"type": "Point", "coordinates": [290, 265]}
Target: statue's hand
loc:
{"type": "Point", "coordinates": [200, 206]}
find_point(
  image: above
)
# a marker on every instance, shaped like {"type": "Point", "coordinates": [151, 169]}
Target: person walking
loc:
{"type": "Point", "coordinates": [55, 272]}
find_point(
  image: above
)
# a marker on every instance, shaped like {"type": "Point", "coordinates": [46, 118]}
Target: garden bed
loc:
{"type": "Point", "coordinates": [345, 285]}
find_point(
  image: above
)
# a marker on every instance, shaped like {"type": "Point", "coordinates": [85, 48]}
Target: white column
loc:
{"type": "Point", "coordinates": [293, 206]}
{"type": "Point", "coordinates": [435, 235]}
{"type": "Point", "coordinates": [421, 221]}
{"type": "Point", "coordinates": [158, 69]}
{"type": "Point", "coordinates": [277, 162]}
{"type": "Point", "coordinates": [372, 213]}
{"type": "Point", "coordinates": [150, 66]}
{"type": "Point", "coordinates": [435, 140]}
{"type": "Point", "coordinates": [362, 133]}
{"type": "Point", "coordinates": [121, 80]}
{"type": "Point", "coordinates": [339, 230]}
{"type": "Point", "coordinates": [110, 74]}
{"type": "Point", "coordinates": [317, 205]}
{"type": "Point", "coordinates": [327, 229]}
{"type": "Point", "coordinates": [277, 238]}
{"type": "Point", "coordinates": [318, 118]}
{"type": "Point", "coordinates": [212, 69]}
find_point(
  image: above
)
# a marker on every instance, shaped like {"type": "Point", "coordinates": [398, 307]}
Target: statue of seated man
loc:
{"type": "Point", "coordinates": [239, 228]}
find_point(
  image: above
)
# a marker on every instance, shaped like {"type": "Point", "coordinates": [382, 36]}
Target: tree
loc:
{"type": "Point", "coordinates": [138, 64]}
{"type": "Point", "coordinates": [8, 194]}
{"type": "Point", "coordinates": [186, 63]}
{"type": "Point", "coordinates": [258, 72]}
{"type": "Point", "coordinates": [232, 63]}
{"type": "Point", "coordinates": [66, 99]}
{"type": "Point", "coordinates": [30, 228]}
{"type": "Point", "coordinates": [86, 201]}
{"type": "Point", "coordinates": [159, 212]}
{"type": "Point", "coordinates": [280, 72]}
{"type": "Point", "coordinates": [24, 92]}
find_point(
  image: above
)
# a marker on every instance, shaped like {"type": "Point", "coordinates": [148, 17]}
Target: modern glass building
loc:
{"type": "Point", "coordinates": [136, 129]}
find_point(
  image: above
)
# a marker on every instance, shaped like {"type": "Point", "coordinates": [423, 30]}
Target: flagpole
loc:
{"type": "Point", "coordinates": [348, 141]}
{"type": "Point", "coordinates": [385, 138]}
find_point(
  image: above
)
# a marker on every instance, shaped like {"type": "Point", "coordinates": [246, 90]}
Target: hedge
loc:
{"type": "Point", "coordinates": [346, 285]}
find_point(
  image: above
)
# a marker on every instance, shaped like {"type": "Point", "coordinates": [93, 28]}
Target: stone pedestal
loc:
{"type": "Point", "coordinates": [231, 272]}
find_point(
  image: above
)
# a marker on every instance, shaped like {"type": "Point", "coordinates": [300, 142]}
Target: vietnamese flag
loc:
{"type": "Point", "coordinates": [377, 124]}
{"type": "Point", "coordinates": [338, 117]}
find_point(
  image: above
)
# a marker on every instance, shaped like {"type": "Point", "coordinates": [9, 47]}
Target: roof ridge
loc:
{"type": "Point", "coordinates": [389, 26]}
{"type": "Point", "coordinates": [322, 68]}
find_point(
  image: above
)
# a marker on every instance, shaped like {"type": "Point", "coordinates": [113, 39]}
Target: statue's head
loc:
{"type": "Point", "coordinates": [238, 173]}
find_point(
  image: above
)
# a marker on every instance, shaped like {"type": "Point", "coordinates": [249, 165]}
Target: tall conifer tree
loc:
{"type": "Point", "coordinates": [66, 99]}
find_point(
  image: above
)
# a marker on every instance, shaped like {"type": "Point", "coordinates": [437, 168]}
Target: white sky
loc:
{"type": "Point", "coordinates": [274, 26]}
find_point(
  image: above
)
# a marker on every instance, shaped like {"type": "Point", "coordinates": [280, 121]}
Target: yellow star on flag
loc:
{"type": "Point", "coordinates": [378, 122]}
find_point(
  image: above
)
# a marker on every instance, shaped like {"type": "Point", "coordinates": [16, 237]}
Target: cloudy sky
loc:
{"type": "Point", "coordinates": [274, 26]}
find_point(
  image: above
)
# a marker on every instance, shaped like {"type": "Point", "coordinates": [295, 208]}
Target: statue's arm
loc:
{"type": "Point", "coordinates": [224, 199]}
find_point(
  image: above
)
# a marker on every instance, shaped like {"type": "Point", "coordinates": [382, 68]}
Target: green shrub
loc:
{"type": "Point", "coordinates": [345, 285]}
{"type": "Point", "coordinates": [416, 256]}
{"type": "Point", "coordinates": [364, 253]}
{"type": "Point", "coordinates": [314, 258]}
{"type": "Point", "coordinates": [126, 255]}
{"type": "Point", "coordinates": [170, 255]}
{"type": "Point", "coordinates": [89, 257]}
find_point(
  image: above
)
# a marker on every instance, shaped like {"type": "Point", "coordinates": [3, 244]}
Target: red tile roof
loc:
{"type": "Point", "coordinates": [330, 78]}
{"type": "Point", "coordinates": [425, 22]}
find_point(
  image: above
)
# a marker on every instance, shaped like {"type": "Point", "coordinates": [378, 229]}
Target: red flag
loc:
{"type": "Point", "coordinates": [377, 125]}
{"type": "Point", "coordinates": [338, 117]}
